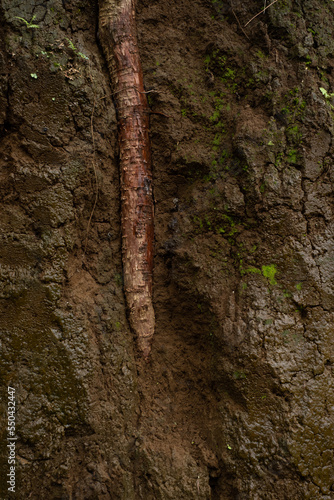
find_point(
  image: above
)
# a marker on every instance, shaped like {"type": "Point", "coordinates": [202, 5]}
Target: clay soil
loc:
{"type": "Point", "coordinates": [236, 401]}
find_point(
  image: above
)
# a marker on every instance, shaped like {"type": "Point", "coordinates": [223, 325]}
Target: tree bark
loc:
{"type": "Point", "coordinates": [117, 28]}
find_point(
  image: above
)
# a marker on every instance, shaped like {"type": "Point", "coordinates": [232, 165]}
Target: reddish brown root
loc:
{"type": "Point", "coordinates": [119, 41]}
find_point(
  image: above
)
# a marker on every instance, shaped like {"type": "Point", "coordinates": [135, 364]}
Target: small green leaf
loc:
{"type": "Point", "coordinates": [28, 24]}
{"type": "Point", "coordinates": [21, 19]}
{"type": "Point", "coordinates": [33, 75]}
{"type": "Point", "coordinates": [71, 44]}
{"type": "Point", "coordinates": [83, 56]}
{"type": "Point", "coordinates": [270, 143]}
{"type": "Point", "coordinates": [324, 92]}
{"type": "Point", "coordinates": [229, 447]}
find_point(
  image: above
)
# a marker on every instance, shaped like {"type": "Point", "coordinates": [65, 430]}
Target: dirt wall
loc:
{"type": "Point", "coordinates": [236, 401]}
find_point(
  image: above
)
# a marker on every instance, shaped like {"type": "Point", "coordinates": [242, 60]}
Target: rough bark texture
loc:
{"type": "Point", "coordinates": [119, 41]}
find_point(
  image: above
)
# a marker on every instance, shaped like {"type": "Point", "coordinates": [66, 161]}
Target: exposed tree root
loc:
{"type": "Point", "coordinates": [119, 41]}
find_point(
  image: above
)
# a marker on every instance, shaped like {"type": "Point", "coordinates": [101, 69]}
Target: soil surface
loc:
{"type": "Point", "coordinates": [237, 400]}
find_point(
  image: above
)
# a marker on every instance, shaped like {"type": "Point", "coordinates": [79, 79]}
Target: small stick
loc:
{"type": "Point", "coordinates": [244, 32]}
{"type": "Point", "coordinates": [94, 164]}
{"type": "Point", "coordinates": [158, 113]}
{"type": "Point", "coordinates": [147, 91]}
{"type": "Point", "coordinates": [272, 3]}
{"type": "Point", "coordinates": [136, 88]}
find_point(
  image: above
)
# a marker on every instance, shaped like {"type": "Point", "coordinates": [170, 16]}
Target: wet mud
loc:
{"type": "Point", "coordinates": [237, 400]}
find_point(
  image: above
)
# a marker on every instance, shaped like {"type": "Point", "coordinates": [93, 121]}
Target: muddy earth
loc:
{"type": "Point", "coordinates": [237, 399]}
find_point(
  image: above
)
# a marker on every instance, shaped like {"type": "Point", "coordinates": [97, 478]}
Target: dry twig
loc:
{"type": "Point", "coordinates": [272, 3]}
{"type": "Point", "coordinates": [93, 162]}
{"type": "Point", "coordinates": [244, 32]}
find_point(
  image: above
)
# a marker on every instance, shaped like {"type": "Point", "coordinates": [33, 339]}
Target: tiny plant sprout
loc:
{"type": "Point", "coordinates": [327, 96]}
{"type": "Point", "coordinates": [83, 56]}
{"type": "Point", "coordinates": [33, 75]}
{"type": "Point", "coordinates": [27, 23]}
{"type": "Point", "coordinates": [325, 93]}
{"type": "Point", "coordinates": [75, 50]}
